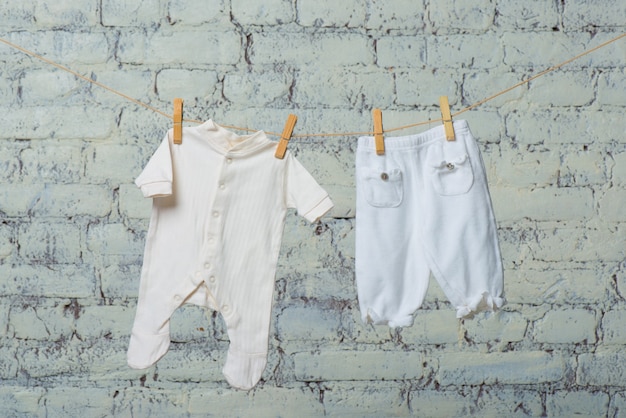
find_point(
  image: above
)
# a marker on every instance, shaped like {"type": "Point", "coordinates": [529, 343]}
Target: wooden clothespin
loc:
{"type": "Point", "coordinates": [178, 121]}
{"type": "Point", "coordinates": [285, 137]}
{"type": "Point", "coordinates": [444, 106]}
{"type": "Point", "coordinates": [379, 138]}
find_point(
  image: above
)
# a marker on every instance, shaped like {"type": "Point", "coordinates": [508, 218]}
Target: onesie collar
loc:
{"type": "Point", "coordinates": [228, 142]}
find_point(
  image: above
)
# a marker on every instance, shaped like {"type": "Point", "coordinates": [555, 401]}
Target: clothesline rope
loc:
{"type": "Point", "coordinates": [330, 134]}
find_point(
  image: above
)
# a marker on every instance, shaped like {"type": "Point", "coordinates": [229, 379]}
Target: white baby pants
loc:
{"type": "Point", "coordinates": [423, 207]}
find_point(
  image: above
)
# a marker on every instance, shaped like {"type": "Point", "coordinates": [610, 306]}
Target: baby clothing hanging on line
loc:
{"type": "Point", "coordinates": [422, 207]}
{"type": "Point", "coordinates": [219, 207]}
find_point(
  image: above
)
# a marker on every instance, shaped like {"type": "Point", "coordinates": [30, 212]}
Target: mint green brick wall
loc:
{"type": "Point", "coordinates": [73, 225]}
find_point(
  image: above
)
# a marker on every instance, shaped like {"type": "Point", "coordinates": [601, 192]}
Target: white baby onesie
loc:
{"type": "Point", "coordinates": [219, 206]}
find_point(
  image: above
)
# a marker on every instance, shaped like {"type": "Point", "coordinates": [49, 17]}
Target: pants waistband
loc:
{"type": "Point", "coordinates": [412, 141]}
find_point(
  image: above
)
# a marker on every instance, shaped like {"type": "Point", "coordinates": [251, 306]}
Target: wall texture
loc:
{"type": "Point", "coordinates": [72, 224]}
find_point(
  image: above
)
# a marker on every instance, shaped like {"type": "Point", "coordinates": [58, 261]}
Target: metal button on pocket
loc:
{"type": "Point", "coordinates": [450, 166]}
{"type": "Point", "coordinates": [384, 176]}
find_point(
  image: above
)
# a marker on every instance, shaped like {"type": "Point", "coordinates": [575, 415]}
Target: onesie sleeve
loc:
{"type": "Point", "coordinates": [156, 178]}
{"type": "Point", "coordinates": [303, 193]}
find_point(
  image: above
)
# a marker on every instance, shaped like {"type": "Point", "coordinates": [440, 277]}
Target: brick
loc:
{"type": "Point", "coordinates": [565, 88]}
{"type": "Point", "coordinates": [617, 164]}
{"type": "Point", "coordinates": [106, 321]}
{"type": "Point", "coordinates": [432, 403]}
{"type": "Point", "coordinates": [432, 327]}
{"type": "Point", "coordinates": [50, 243]}
{"type": "Point", "coordinates": [67, 123]}
{"type": "Point", "coordinates": [610, 208]}
{"type": "Point", "coordinates": [120, 280]}
{"type": "Point", "coordinates": [16, 15]}
{"type": "Point", "coordinates": [73, 200]}
{"type": "Point", "coordinates": [113, 163]}
{"type": "Point", "coordinates": [331, 285]}
{"type": "Point", "coordinates": [528, 367]}
{"type": "Point", "coordinates": [500, 402]}
{"type": "Point", "coordinates": [41, 322]}
{"type": "Point", "coordinates": [150, 401]}
{"type": "Point", "coordinates": [115, 239]}
{"type": "Point", "coordinates": [542, 50]}
{"type": "Point", "coordinates": [143, 128]}
{"type": "Point", "coordinates": [582, 168]}
{"type": "Point", "coordinates": [20, 401]}
{"type": "Point", "coordinates": [572, 244]}
{"type": "Point", "coordinates": [527, 169]}
{"type": "Point", "coordinates": [344, 89]}
{"type": "Point", "coordinates": [84, 13]}
{"type": "Point", "coordinates": [618, 403]}
{"type": "Point", "coordinates": [8, 360]}
{"type": "Point", "coordinates": [132, 203]}
{"type": "Point", "coordinates": [577, 14]}
{"type": "Point", "coordinates": [499, 326]}
{"type": "Point", "coordinates": [395, 14]}
{"type": "Point", "coordinates": [7, 241]}
{"type": "Point", "coordinates": [465, 51]}
{"type": "Point", "coordinates": [425, 87]}
{"type": "Point", "coordinates": [609, 88]}
{"type": "Point", "coordinates": [570, 203]}
{"type": "Point", "coordinates": [613, 332]}
{"type": "Point", "coordinates": [79, 401]}
{"type": "Point", "coordinates": [309, 323]}
{"type": "Point", "coordinates": [573, 326]}
{"type": "Point", "coordinates": [463, 15]}
{"type": "Point", "coordinates": [529, 15]}
{"type": "Point", "coordinates": [272, 12]}
{"type": "Point", "coordinates": [136, 83]}
{"type": "Point", "coordinates": [327, 13]}
{"type": "Point", "coordinates": [261, 402]}
{"type": "Point", "coordinates": [104, 360]}
{"type": "Point", "coordinates": [587, 245]}
{"type": "Point", "coordinates": [554, 285]}
{"type": "Point", "coordinates": [601, 369]}
{"type": "Point", "coordinates": [257, 88]}
{"type": "Point", "coordinates": [49, 280]}
{"type": "Point", "coordinates": [361, 365]}
{"type": "Point", "coordinates": [479, 85]}
{"type": "Point", "coordinates": [321, 50]}
{"type": "Point", "coordinates": [65, 47]}
{"type": "Point", "coordinates": [190, 85]}
{"type": "Point", "coordinates": [131, 13]}
{"type": "Point", "coordinates": [577, 403]}
{"type": "Point", "coordinates": [17, 199]}
{"type": "Point", "coordinates": [386, 399]}
{"type": "Point", "coordinates": [40, 86]}
{"type": "Point", "coordinates": [188, 47]}
{"type": "Point", "coordinates": [43, 163]}
{"type": "Point", "coordinates": [401, 51]}
{"type": "Point", "coordinates": [39, 359]}
{"type": "Point", "coordinates": [193, 323]}
{"type": "Point", "coordinates": [202, 362]}
{"type": "Point", "coordinates": [9, 163]}
{"type": "Point", "coordinates": [197, 12]}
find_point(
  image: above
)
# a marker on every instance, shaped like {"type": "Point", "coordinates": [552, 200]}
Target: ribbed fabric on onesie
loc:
{"type": "Point", "coordinates": [219, 206]}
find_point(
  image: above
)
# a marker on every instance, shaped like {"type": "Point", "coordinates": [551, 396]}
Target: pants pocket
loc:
{"type": "Point", "coordinates": [383, 189]}
{"type": "Point", "coordinates": [453, 175]}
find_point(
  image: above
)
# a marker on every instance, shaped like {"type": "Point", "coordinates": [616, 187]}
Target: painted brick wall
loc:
{"type": "Point", "coordinates": [72, 224]}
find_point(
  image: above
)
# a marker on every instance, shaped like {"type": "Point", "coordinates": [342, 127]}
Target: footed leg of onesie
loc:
{"type": "Point", "coordinates": [247, 353]}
